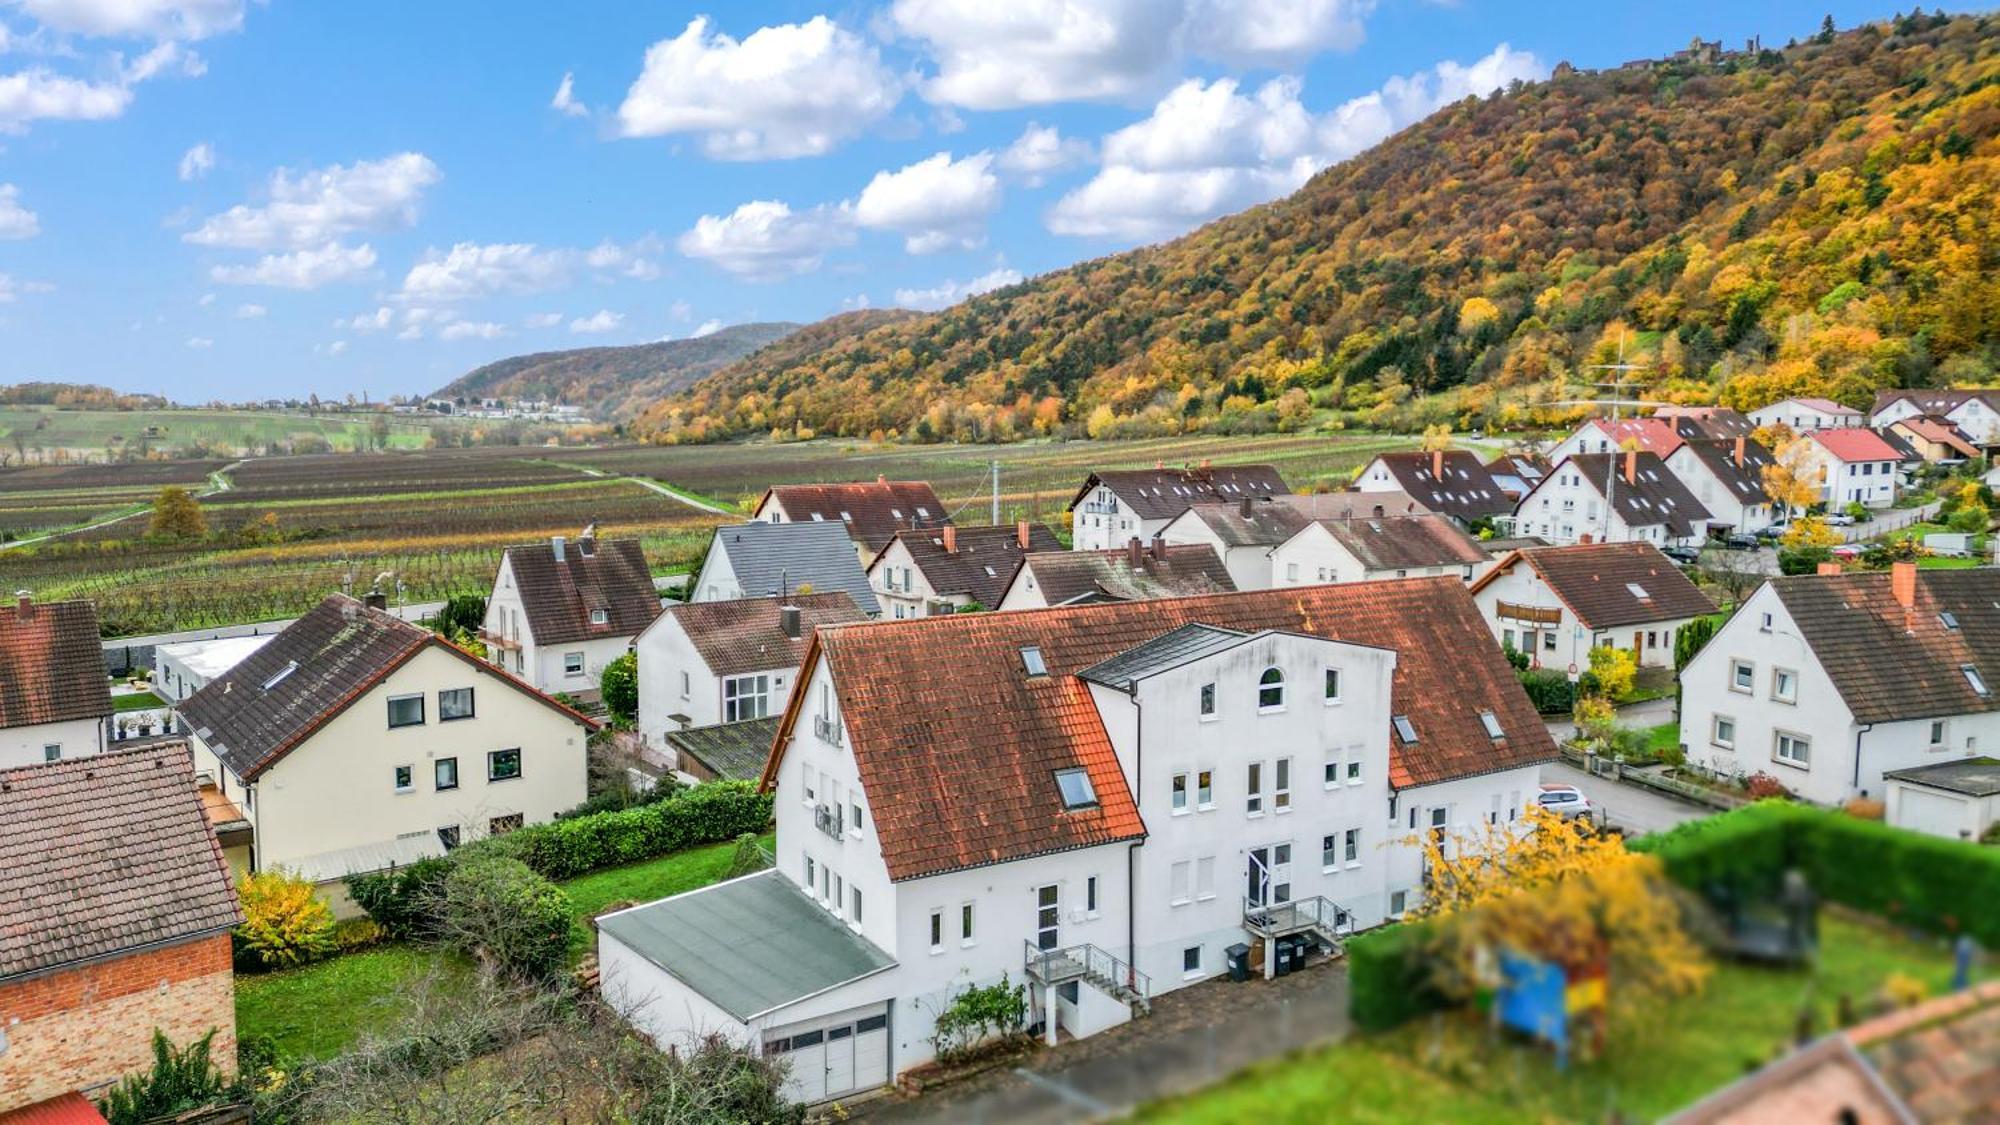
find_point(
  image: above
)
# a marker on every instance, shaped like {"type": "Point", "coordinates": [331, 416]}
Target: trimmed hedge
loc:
{"type": "Point", "coordinates": [1388, 982]}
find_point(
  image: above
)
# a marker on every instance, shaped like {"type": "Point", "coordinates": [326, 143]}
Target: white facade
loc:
{"type": "Point", "coordinates": [1757, 700]}
{"type": "Point", "coordinates": [674, 679]}
{"type": "Point", "coordinates": [1569, 504]}
{"type": "Point", "coordinates": [356, 782]}
{"type": "Point", "coordinates": [48, 742]}
{"type": "Point", "coordinates": [1025, 591]}
{"type": "Point", "coordinates": [1101, 521]}
{"type": "Point", "coordinates": [180, 670]}
{"type": "Point", "coordinates": [1979, 421]}
{"type": "Point", "coordinates": [1249, 566]}
{"type": "Point", "coordinates": [569, 666]}
{"type": "Point", "coordinates": [1939, 812]}
{"type": "Point", "coordinates": [1527, 616]}
{"type": "Point", "coordinates": [1872, 484]}
{"type": "Point", "coordinates": [1803, 417]}
{"type": "Point", "coordinates": [1314, 557]}
{"type": "Point", "coordinates": [1722, 502]}
{"type": "Point", "coordinates": [903, 588]}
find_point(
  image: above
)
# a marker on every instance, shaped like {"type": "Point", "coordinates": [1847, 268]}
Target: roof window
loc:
{"type": "Point", "coordinates": [1405, 730]}
{"type": "Point", "coordinates": [1077, 792]}
{"type": "Point", "coordinates": [1031, 660]}
{"type": "Point", "coordinates": [846, 517]}
{"type": "Point", "coordinates": [1638, 591]}
{"type": "Point", "coordinates": [1973, 677]}
{"type": "Point", "coordinates": [278, 677]}
{"type": "Point", "coordinates": [1492, 725]}
{"type": "Point", "coordinates": [1948, 619]}
{"type": "Point", "coordinates": [896, 513]}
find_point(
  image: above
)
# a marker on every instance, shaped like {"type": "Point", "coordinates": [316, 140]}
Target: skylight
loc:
{"type": "Point", "coordinates": [1077, 792]}
{"type": "Point", "coordinates": [1638, 591]}
{"type": "Point", "coordinates": [1492, 724]}
{"type": "Point", "coordinates": [278, 677]}
{"type": "Point", "coordinates": [1948, 619]}
{"type": "Point", "coordinates": [1405, 730]}
{"type": "Point", "coordinates": [846, 517]}
{"type": "Point", "coordinates": [1973, 677]}
{"type": "Point", "coordinates": [1031, 659]}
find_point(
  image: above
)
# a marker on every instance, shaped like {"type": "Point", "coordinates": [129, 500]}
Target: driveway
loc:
{"type": "Point", "coordinates": [1637, 811]}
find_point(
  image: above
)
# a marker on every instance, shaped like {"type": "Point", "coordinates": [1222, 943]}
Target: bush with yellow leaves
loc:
{"type": "Point", "coordinates": [285, 922]}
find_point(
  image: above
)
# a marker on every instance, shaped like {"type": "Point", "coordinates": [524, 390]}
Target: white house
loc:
{"type": "Point", "coordinates": [1450, 482]}
{"type": "Point", "coordinates": [1115, 506]}
{"type": "Point", "coordinates": [1728, 478]}
{"type": "Point", "coordinates": [55, 695]}
{"type": "Point", "coordinates": [870, 512]}
{"type": "Point", "coordinates": [1959, 800]}
{"type": "Point", "coordinates": [1368, 548]}
{"type": "Point", "coordinates": [1555, 604]}
{"type": "Point", "coordinates": [1135, 572]}
{"type": "Point", "coordinates": [1612, 498]}
{"type": "Point", "coordinates": [1851, 467]}
{"type": "Point", "coordinates": [1658, 436]}
{"type": "Point", "coordinates": [726, 662]}
{"type": "Point", "coordinates": [355, 740]}
{"type": "Point", "coordinates": [1830, 682]}
{"type": "Point", "coordinates": [1243, 533]}
{"type": "Point", "coordinates": [1803, 415]}
{"type": "Point", "coordinates": [180, 670]}
{"type": "Point", "coordinates": [1974, 410]}
{"type": "Point", "coordinates": [775, 560]}
{"type": "Point", "coordinates": [561, 611]}
{"type": "Point", "coordinates": [1171, 778]}
{"type": "Point", "coordinates": [950, 568]}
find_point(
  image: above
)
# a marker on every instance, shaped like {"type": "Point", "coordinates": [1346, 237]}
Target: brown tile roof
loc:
{"type": "Point", "coordinates": [1465, 490]}
{"type": "Point", "coordinates": [746, 635]}
{"type": "Point", "coordinates": [1404, 542]}
{"type": "Point", "coordinates": [1707, 423]}
{"type": "Point", "coordinates": [1938, 431]}
{"type": "Point", "coordinates": [1269, 522]}
{"type": "Point", "coordinates": [1889, 663]}
{"type": "Point", "coordinates": [1163, 493]}
{"type": "Point", "coordinates": [51, 664]}
{"type": "Point", "coordinates": [559, 597]}
{"type": "Point", "coordinates": [735, 751]}
{"type": "Point", "coordinates": [1654, 495]}
{"type": "Point", "coordinates": [941, 707]}
{"type": "Point", "coordinates": [1929, 401]}
{"type": "Point", "coordinates": [872, 510]}
{"type": "Point", "coordinates": [983, 562]}
{"type": "Point", "coordinates": [259, 711]}
{"type": "Point", "coordinates": [1162, 571]}
{"type": "Point", "coordinates": [1596, 581]}
{"type": "Point", "coordinates": [104, 854]}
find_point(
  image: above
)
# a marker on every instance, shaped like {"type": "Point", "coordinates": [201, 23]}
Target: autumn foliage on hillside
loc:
{"type": "Point", "coordinates": [1815, 220]}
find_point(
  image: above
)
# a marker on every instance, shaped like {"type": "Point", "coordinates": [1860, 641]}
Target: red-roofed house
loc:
{"type": "Point", "coordinates": [1803, 415]}
{"type": "Point", "coordinates": [873, 512]}
{"type": "Point", "coordinates": [55, 696]}
{"type": "Point", "coordinates": [1097, 800]}
{"type": "Point", "coordinates": [1604, 435]}
{"type": "Point", "coordinates": [1852, 466]}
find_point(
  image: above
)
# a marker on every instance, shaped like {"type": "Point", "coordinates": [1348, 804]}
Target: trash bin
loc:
{"type": "Point", "coordinates": [1238, 957]}
{"type": "Point", "coordinates": [1300, 944]}
{"type": "Point", "coordinates": [1282, 951]}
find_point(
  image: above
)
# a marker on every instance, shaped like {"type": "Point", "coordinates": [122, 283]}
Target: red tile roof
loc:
{"type": "Point", "coordinates": [559, 597]}
{"type": "Point", "coordinates": [104, 854]}
{"type": "Point", "coordinates": [65, 1109]}
{"type": "Point", "coordinates": [51, 664]}
{"type": "Point", "coordinates": [957, 746]}
{"type": "Point", "coordinates": [1656, 435]}
{"type": "Point", "coordinates": [872, 510]}
{"type": "Point", "coordinates": [1855, 444]}
{"type": "Point", "coordinates": [1938, 431]}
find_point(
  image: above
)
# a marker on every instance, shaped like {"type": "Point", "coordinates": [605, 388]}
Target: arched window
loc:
{"type": "Point", "coordinates": [1270, 690]}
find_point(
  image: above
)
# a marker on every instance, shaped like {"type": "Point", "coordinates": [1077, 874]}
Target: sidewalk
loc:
{"type": "Point", "coordinates": [1195, 1036]}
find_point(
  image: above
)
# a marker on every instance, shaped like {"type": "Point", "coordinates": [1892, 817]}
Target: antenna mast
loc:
{"type": "Point", "coordinates": [1615, 384]}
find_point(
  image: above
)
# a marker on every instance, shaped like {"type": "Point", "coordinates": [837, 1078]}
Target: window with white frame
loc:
{"type": "Point", "coordinates": [1204, 789]}
{"type": "Point", "coordinates": [1329, 852]}
{"type": "Point", "coordinates": [1335, 769]}
{"type": "Point", "coordinates": [1784, 685]}
{"type": "Point", "coordinates": [1208, 701]}
{"type": "Point", "coordinates": [1792, 749]}
{"type": "Point", "coordinates": [687, 684]}
{"type": "Point", "coordinates": [1253, 800]}
{"type": "Point", "coordinates": [1281, 788]}
{"type": "Point", "coordinates": [745, 698]}
{"type": "Point", "coordinates": [937, 931]}
{"type": "Point", "coordinates": [854, 893]}
{"type": "Point", "coordinates": [1354, 764]}
{"type": "Point", "coordinates": [572, 663]}
{"type": "Point", "coordinates": [1180, 793]}
{"type": "Point", "coordinates": [1350, 847]}
{"type": "Point", "coordinates": [966, 936]}
{"type": "Point", "coordinates": [1938, 733]}
{"type": "Point", "coordinates": [1090, 896]}
{"type": "Point", "coordinates": [1742, 676]}
{"type": "Point", "coordinates": [1332, 688]}
{"type": "Point", "coordinates": [1271, 690]}
{"type": "Point", "coordinates": [1191, 961]}
{"type": "Point", "coordinates": [1399, 903]}
{"type": "Point", "coordinates": [1722, 732]}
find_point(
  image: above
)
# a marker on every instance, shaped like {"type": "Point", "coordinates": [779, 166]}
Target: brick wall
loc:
{"type": "Point", "coordinates": [87, 1027]}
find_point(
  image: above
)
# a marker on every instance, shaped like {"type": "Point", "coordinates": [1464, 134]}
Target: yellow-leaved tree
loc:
{"type": "Point", "coordinates": [1437, 438]}
{"type": "Point", "coordinates": [284, 920]}
{"type": "Point", "coordinates": [1791, 481]}
{"type": "Point", "coordinates": [1808, 532]}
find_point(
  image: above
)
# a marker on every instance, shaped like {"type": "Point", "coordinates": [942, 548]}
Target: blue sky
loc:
{"type": "Point", "coordinates": [229, 199]}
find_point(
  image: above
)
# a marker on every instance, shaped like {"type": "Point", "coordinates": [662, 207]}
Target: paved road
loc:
{"type": "Point", "coordinates": [1637, 811]}
{"type": "Point", "coordinates": [1650, 713]}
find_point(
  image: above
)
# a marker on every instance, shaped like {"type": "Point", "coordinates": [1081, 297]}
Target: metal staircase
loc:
{"type": "Point", "coordinates": [1093, 966]}
{"type": "Point", "coordinates": [1324, 919]}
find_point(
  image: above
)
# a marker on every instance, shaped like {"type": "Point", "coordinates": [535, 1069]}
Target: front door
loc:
{"type": "Point", "coordinates": [1268, 875]}
{"type": "Point", "coordinates": [1048, 917]}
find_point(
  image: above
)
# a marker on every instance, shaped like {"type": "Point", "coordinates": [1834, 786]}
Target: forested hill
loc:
{"type": "Point", "coordinates": [1819, 219]}
{"type": "Point", "coordinates": [616, 381]}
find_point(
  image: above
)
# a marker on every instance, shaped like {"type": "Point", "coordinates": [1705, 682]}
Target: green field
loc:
{"type": "Point", "coordinates": [32, 434]}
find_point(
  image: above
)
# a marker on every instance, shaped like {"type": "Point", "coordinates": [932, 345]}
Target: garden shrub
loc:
{"type": "Point", "coordinates": [1550, 691]}
{"type": "Point", "coordinates": [284, 920]}
{"type": "Point", "coordinates": [564, 849]}
{"type": "Point", "coordinates": [618, 687]}
{"type": "Point", "coordinates": [1616, 669]}
{"type": "Point", "coordinates": [1762, 786]}
{"type": "Point", "coordinates": [976, 1015]}
{"type": "Point", "coordinates": [500, 911]}
{"type": "Point", "coordinates": [181, 1078]}
{"type": "Point", "coordinates": [1516, 657]}
{"type": "Point", "coordinates": [1388, 977]}
{"type": "Point", "coordinates": [401, 899]}
{"type": "Point", "coordinates": [352, 934]}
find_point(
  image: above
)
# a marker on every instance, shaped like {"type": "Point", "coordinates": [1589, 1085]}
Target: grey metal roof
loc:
{"type": "Point", "coordinates": [771, 558]}
{"type": "Point", "coordinates": [748, 945]}
{"type": "Point", "coordinates": [1168, 650]}
{"type": "Point", "coordinates": [731, 750]}
{"type": "Point", "coordinates": [363, 859]}
{"type": "Point", "coordinates": [1974, 777]}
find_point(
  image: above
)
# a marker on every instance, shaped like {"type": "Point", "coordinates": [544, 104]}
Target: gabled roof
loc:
{"type": "Point", "coordinates": [1162, 571]}
{"type": "Point", "coordinates": [1162, 493]}
{"type": "Point", "coordinates": [1853, 443]}
{"type": "Point", "coordinates": [776, 558]}
{"type": "Point", "coordinates": [1517, 475]}
{"type": "Point", "coordinates": [593, 575]}
{"type": "Point", "coordinates": [51, 664]}
{"type": "Point", "coordinates": [1938, 431]}
{"type": "Point", "coordinates": [942, 707]}
{"type": "Point", "coordinates": [1653, 495]}
{"type": "Point", "coordinates": [871, 511]}
{"type": "Point", "coordinates": [730, 750]}
{"type": "Point", "coordinates": [1451, 483]}
{"type": "Point", "coordinates": [1269, 522]}
{"type": "Point", "coordinates": [747, 634]}
{"type": "Point", "coordinates": [1710, 423]}
{"type": "Point", "coordinates": [1404, 542]}
{"type": "Point", "coordinates": [105, 854]}
{"type": "Point", "coordinates": [1889, 663]}
{"type": "Point", "coordinates": [1935, 401]}
{"type": "Point", "coordinates": [982, 563]}
{"type": "Point", "coordinates": [1655, 435]}
{"type": "Point", "coordinates": [1610, 584]}
{"type": "Point", "coordinates": [1170, 649]}
{"type": "Point", "coordinates": [277, 697]}
{"type": "Point", "coordinates": [1745, 481]}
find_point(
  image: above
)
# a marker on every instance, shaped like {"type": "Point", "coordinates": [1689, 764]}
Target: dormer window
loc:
{"type": "Point", "coordinates": [600, 617]}
{"type": "Point", "coordinates": [1077, 792]}
{"type": "Point", "coordinates": [1271, 690]}
{"type": "Point", "coordinates": [1405, 729]}
{"type": "Point", "coordinates": [1032, 663]}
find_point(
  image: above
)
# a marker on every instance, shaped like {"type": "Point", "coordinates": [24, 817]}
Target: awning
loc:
{"type": "Point", "coordinates": [366, 858]}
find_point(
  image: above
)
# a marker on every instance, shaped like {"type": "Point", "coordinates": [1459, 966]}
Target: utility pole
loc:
{"type": "Point", "coordinates": [995, 466]}
{"type": "Point", "coordinates": [1616, 385]}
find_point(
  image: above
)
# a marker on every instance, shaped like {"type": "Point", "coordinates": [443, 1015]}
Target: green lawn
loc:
{"type": "Point", "coordinates": [321, 1009]}
{"type": "Point", "coordinates": [1664, 737]}
{"type": "Point", "coordinates": [1449, 1070]}
{"type": "Point", "coordinates": [137, 701]}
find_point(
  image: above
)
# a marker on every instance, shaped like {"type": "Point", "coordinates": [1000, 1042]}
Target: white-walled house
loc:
{"type": "Point", "coordinates": [1115, 506]}
{"type": "Point", "coordinates": [1803, 415]}
{"type": "Point", "coordinates": [1371, 548]}
{"type": "Point", "coordinates": [561, 611]}
{"type": "Point", "coordinates": [1851, 466]}
{"type": "Point", "coordinates": [55, 694]}
{"type": "Point", "coordinates": [1728, 478]}
{"type": "Point", "coordinates": [1244, 533]}
{"type": "Point", "coordinates": [355, 740]}
{"type": "Point", "coordinates": [705, 663]}
{"type": "Point", "coordinates": [871, 513]}
{"type": "Point", "coordinates": [950, 568]}
{"type": "Point", "coordinates": [1171, 778]}
{"type": "Point", "coordinates": [1450, 482]}
{"type": "Point", "coordinates": [1645, 502]}
{"type": "Point", "coordinates": [775, 560]}
{"type": "Point", "coordinates": [1655, 435]}
{"type": "Point", "coordinates": [1829, 682]}
{"type": "Point", "coordinates": [1974, 410]}
{"type": "Point", "coordinates": [1555, 604]}
{"type": "Point", "coordinates": [1135, 572]}
{"type": "Point", "coordinates": [1959, 800]}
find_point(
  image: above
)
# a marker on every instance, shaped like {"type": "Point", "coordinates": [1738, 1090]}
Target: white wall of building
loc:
{"type": "Point", "coordinates": [1801, 418]}
{"type": "Point", "coordinates": [1565, 507]}
{"type": "Point", "coordinates": [1720, 500]}
{"type": "Point", "coordinates": [674, 679]}
{"type": "Point", "coordinates": [1313, 557]}
{"type": "Point", "coordinates": [718, 578]}
{"type": "Point", "coordinates": [1869, 483]}
{"type": "Point", "coordinates": [1954, 816]}
{"type": "Point", "coordinates": [901, 585]}
{"type": "Point", "coordinates": [1249, 567]}
{"type": "Point", "coordinates": [32, 745]}
{"type": "Point", "coordinates": [1567, 642]}
{"type": "Point", "coordinates": [575, 666]}
{"type": "Point", "coordinates": [1101, 521]}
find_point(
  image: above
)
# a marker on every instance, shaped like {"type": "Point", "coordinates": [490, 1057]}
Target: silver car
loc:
{"type": "Point", "coordinates": [1566, 801]}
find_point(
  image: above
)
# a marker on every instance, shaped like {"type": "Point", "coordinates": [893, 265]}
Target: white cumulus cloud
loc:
{"type": "Point", "coordinates": [951, 292]}
{"type": "Point", "coordinates": [250, 312]}
{"type": "Point", "coordinates": [12, 287]}
{"type": "Point", "coordinates": [200, 343]}
{"type": "Point", "coordinates": [765, 240]}
{"type": "Point", "coordinates": [1210, 148]}
{"type": "Point", "coordinates": [785, 91]}
{"type": "Point", "coordinates": [471, 269]}
{"type": "Point", "coordinates": [471, 330]}
{"type": "Point", "coordinates": [604, 320]}
{"type": "Point", "coordinates": [707, 327]}
{"type": "Point", "coordinates": [16, 221]}
{"type": "Point", "coordinates": [197, 161]}
{"type": "Point", "coordinates": [1040, 152]}
{"type": "Point", "coordinates": [543, 320]}
{"type": "Point", "coordinates": [565, 100]}
{"type": "Point", "coordinates": [376, 321]}
{"type": "Point", "coordinates": [302, 269]}
{"type": "Point", "coordinates": [138, 19]}
{"type": "Point", "coordinates": [636, 261]}
{"type": "Point", "coordinates": [312, 207]}
{"type": "Point", "coordinates": [38, 94]}
{"type": "Point", "coordinates": [938, 203]}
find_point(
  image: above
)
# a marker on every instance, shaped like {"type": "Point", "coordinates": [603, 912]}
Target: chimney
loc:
{"type": "Point", "coordinates": [1741, 444]}
{"type": "Point", "coordinates": [1632, 466]}
{"type": "Point", "coordinates": [950, 539]}
{"type": "Point", "coordinates": [1586, 538]}
{"type": "Point", "coordinates": [1134, 552]}
{"type": "Point", "coordinates": [1021, 534]}
{"type": "Point", "coordinates": [1903, 584]}
{"type": "Point", "coordinates": [788, 620]}
{"type": "Point", "coordinates": [1159, 547]}
{"type": "Point", "coordinates": [556, 543]}
{"type": "Point", "coordinates": [1378, 511]}
{"type": "Point", "coordinates": [1437, 463]}
{"type": "Point", "coordinates": [375, 599]}
{"type": "Point", "coordinates": [881, 478]}
{"type": "Point", "coordinates": [24, 604]}
{"type": "Point", "coordinates": [1828, 568]}
{"type": "Point", "coordinates": [1243, 507]}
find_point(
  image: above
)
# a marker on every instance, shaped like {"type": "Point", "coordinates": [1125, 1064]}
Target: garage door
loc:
{"type": "Point", "coordinates": [835, 1056]}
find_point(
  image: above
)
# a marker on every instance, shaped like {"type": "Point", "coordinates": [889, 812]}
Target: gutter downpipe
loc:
{"type": "Point", "coordinates": [1863, 729]}
{"type": "Point", "coordinates": [1132, 850]}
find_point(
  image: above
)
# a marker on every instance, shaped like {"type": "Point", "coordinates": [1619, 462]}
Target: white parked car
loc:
{"type": "Point", "coordinates": [1566, 801]}
{"type": "Point", "coordinates": [1839, 519]}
